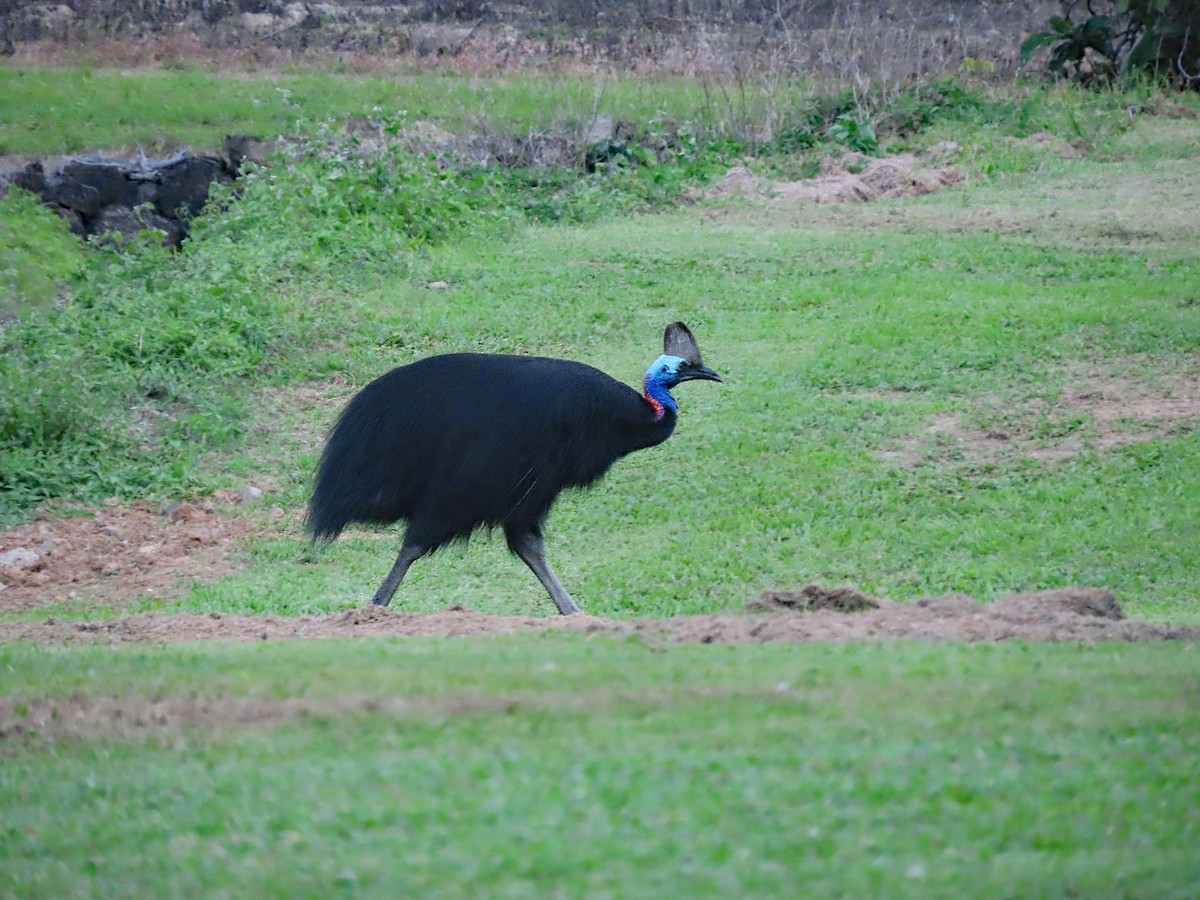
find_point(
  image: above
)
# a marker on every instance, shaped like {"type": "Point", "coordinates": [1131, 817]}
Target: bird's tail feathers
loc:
{"type": "Point", "coordinates": [322, 525]}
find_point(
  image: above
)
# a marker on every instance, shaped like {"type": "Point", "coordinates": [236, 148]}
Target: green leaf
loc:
{"type": "Point", "coordinates": [1034, 42]}
{"type": "Point", "coordinates": [1060, 25]}
{"type": "Point", "coordinates": [1097, 25]}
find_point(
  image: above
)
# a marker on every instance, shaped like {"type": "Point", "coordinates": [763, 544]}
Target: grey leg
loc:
{"type": "Point", "coordinates": [409, 554]}
{"type": "Point", "coordinates": [532, 549]}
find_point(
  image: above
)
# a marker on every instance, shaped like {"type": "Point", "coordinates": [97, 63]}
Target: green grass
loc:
{"type": "Point", "coordinates": [845, 334]}
{"type": "Point", "coordinates": [72, 110]}
{"type": "Point", "coordinates": [39, 258]}
{"type": "Point", "coordinates": [567, 766]}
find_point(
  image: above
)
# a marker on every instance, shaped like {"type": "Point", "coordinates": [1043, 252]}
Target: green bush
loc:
{"type": "Point", "coordinates": [39, 258]}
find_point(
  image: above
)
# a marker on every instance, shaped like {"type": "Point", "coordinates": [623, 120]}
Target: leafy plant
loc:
{"type": "Point", "coordinates": [856, 132]}
{"type": "Point", "coordinates": [1117, 37]}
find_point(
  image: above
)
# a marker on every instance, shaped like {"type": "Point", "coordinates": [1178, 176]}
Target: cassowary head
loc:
{"type": "Point", "coordinates": [680, 362]}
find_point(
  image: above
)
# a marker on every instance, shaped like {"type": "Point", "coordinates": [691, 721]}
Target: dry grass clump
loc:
{"type": "Point", "coordinates": [855, 43]}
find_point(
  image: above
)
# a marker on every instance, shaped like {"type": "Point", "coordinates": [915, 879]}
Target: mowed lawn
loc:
{"type": "Point", "coordinates": [920, 396]}
{"type": "Point", "coordinates": [568, 766]}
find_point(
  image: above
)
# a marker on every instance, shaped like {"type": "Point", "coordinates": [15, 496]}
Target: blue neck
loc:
{"type": "Point", "coordinates": [658, 394]}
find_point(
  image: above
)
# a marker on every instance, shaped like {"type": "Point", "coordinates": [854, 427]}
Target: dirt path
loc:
{"type": "Point", "coordinates": [814, 614]}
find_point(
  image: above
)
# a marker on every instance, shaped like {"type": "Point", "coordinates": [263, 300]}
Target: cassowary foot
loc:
{"type": "Point", "coordinates": [566, 605]}
{"type": "Point", "coordinates": [531, 548]}
{"type": "Point", "coordinates": [409, 554]}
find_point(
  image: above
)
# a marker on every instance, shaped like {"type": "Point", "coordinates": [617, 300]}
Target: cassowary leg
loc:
{"type": "Point", "coordinates": [531, 548]}
{"type": "Point", "coordinates": [409, 554]}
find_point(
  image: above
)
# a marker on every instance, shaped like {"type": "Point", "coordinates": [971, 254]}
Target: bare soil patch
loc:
{"type": "Point", "coordinates": [851, 178]}
{"type": "Point", "coordinates": [821, 614]}
{"type": "Point", "coordinates": [170, 719]}
{"type": "Point", "coordinates": [1098, 409]}
{"type": "Point", "coordinates": [117, 555]}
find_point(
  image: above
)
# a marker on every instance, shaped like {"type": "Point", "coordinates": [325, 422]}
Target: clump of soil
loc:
{"type": "Point", "coordinates": [851, 178]}
{"type": "Point", "coordinates": [840, 614]}
{"type": "Point", "coordinates": [813, 597]}
{"type": "Point", "coordinates": [1070, 602]}
{"type": "Point", "coordinates": [118, 555]}
{"type": "Point", "coordinates": [1056, 145]}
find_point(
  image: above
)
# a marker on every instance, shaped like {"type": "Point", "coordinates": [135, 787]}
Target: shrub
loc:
{"type": "Point", "coordinates": [1119, 37]}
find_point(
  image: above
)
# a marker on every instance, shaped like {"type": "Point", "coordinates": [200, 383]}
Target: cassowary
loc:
{"type": "Point", "coordinates": [464, 441]}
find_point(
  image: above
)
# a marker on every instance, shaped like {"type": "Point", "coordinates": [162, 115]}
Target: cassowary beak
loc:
{"type": "Point", "coordinates": [696, 373]}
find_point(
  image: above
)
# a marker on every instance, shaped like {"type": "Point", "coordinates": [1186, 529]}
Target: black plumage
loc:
{"type": "Point", "coordinates": [454, 443]}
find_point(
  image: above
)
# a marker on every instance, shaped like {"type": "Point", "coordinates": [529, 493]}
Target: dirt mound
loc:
{"type": "Point", "coordinates": [120, 554]}
{"type": "Point", "coordinates": [813, 614]}
{"type": "Point", "coordinates": [811, 598]}
{"type": "Point", "coordinates": [1056, 145]}
{"type": "Point", "coordinates": [852, 178]}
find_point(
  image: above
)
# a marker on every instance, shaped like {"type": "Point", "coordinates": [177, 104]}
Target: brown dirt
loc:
{"type": "Point", "coordinates": [1056, 145]}
{"type": "Point", "coordinates": [851, 178]}
{"type": "Point", "coordinates": [116, 555]}
{"type": "Point", "coordinates": [837, 614]}
{"type": "Point", "coordinates": [812, 598]}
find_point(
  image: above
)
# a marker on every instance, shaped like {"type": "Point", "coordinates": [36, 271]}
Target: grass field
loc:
{"type": "Point", "coordinates": [989, 389]}
{"type": "Point", "coordinates": [571, 767]}
{"type": "Point", "coordinates": [84, 109]}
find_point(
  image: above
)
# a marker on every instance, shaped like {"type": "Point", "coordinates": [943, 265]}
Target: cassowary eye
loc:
{"type": "Point", "coordinates": [665, 369]}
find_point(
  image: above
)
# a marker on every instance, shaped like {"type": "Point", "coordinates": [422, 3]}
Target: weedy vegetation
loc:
{"type": "Point", "coordinates": [988, 389]}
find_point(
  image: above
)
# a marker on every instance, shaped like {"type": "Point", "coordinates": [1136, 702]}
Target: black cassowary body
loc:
{"type": "Point", "coordinates": [464, 441]}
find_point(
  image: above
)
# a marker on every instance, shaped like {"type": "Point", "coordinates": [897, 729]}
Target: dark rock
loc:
{"type": "Point", "coordinates": [128, 222]}
{"type": "Point", "coordinates": [74, 219]}
{"type": "Point", "coordinates": [32, 177]}
{"type": "Point", "coordinates": [97, 195]}
{"type": "Point", "coordinates": [87, 187]}
{"type": "Point", "coordinates": [185, 185]}
{"type": "Point", "coordinates": [241, 148]}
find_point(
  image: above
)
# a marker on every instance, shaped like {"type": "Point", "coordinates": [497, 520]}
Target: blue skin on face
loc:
{"type": "Point", "coordinates": [661, 377]}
